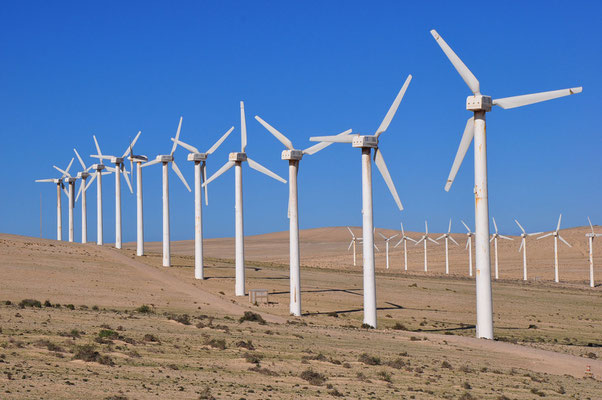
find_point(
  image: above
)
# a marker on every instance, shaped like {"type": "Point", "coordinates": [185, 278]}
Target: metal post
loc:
{"type": "Point", "coordinates": [483, 261]}
{"type": "Point", "coordinates": [368, 242]}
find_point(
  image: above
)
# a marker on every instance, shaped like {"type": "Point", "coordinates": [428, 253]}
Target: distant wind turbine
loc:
{"type": "Point", "coordinates": [591, 237]}
{"type": "Point", "coordinates": [494, 238]}
{"type": "Point", "coordinates": [71, 182]}
{"type": "Point", "coordinates": [387, 239]}
{"type": "Point", "coordinates": [447, 236]}
{"type": "Point", "coordinates": [424, 239]}
{"type": "Point", "coordinates": [60, 185]}
{"type": "Point", "coordinates": [523, 246]}
{"type": "Point", "coordinates": [404, 239]}
{"type": "Point", "coordinates": [557, 236]}
{"type": "Point", "coordinates": [469, 247]}
{"type": "Point", "coordinates": [353, 243]}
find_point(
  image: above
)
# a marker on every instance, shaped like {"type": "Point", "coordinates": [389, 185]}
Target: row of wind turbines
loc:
{"type": "Point", "coordinates": [469, 234]}
{"type": "Point", "coordinates": [368, 144]}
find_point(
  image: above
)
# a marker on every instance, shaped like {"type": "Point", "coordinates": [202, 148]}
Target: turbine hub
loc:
{"type": "Point", "coordinates": [292, 155]}
{"type": "Point", "coordinates": [365, 141]}
{"type": "Point", "coordinates": [478, 102]}
{"type": "Point", "coordinates": [237, 157]}
{"type": "Point", "coordinates": [197, 156]}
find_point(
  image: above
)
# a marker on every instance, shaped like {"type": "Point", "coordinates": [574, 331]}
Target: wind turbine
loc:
{"type": "Point", "coordinates": [294, 156]}
{"type": "Point", "coordinates": [447, 236]}
{"type": "Point", "coordinates": [366, 143]}
{"type": "Point", "coordinates": [475, 127]}
{"type": "Point", "coordinates": [139, 160]}
{"type": "Point", "coordinates": [353, 242]}
{"type": "Point", "coordinates": [556, 237]}
{"type": "Point", "coordinates": [236, 160]}
{"type": "Point", "coordinates": [165, 159]}
{"type": "Point", "coordinates": [200, 175]}
{"type": "Point", "coordinates": [71, 182]}
{"type": "Point", "coordinates": [523, 246]}
{"type": "Point", "coordinates": [404, 239]}
{"type": "Point", "coordinates": [493, 239]}
{"type": "Point", "coordinates": [83, 176]}
{"type": "Point", "coordinates": [98, 168]}
{"type": "Point", "coordinates": [59, 210]}
{"type": "Point", "coordinates": [469, 247]}
{"type": "Point", "coordinates": [424, 239]}
{"type": "Point", "coordinates": [119, 168]}
{"type": "Point", "coordinates": [387, 239]}
{"type": "Point", "coordinates": [591, 237]}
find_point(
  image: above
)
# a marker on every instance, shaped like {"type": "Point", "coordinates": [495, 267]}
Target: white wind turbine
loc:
{"type": "Point", "coordinates": [425, 238]}
{"type": "Point", "coordinates": [353, 242]}
{"type": "Point", "coordinates": [165, 160]}
{"type": "Point", "coordinates": [404, 239]}
{"type": "Point", "coordinates": [200, 175]}
{"type": "Point", "coordinates": [366, 143]}
{"type": "Point", "coordinates": [119, 169]}
{"type": "Point", "coordinates": [447, 237]}
{"type": "Point", "coordinates": [236, 160]}
{"type": "Point", "coordinates": [83, 176]}
{"type": "Point", "coordinates": [591, 237]}
{"type": "Point", "coordinates": [523, 246]}
{"type": "Point", "coordinates": [493, 239]}
{"type": "Point", "coordinates": [469, 234]}
{"type": "Point", "coordinates": [294, 156]}
{"type": "Point", "coordinates": [59, 210]}
{"type": "Point", "coordinates": [387, 239]}
{"type": "Point", "coordinates": [475, 127]}
{"type": "Point", "coordinates": [71, 182]}
{"type": "Point", "coordinates": [139, 160]}
{"type": "Point", "coordinates": [99, 173]}
{"type": "Point", "coordinates": [556, 237]}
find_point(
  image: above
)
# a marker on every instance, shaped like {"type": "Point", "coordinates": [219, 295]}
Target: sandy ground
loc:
{"type": "Point", "coordinates": [547, 334]}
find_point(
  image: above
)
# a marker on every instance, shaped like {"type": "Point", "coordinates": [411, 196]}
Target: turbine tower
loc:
{"type": "Point", "coordinates": [200, 175]}
{"type": "Point", "coordinates": [99, 173]}
{"type": "Point", "coordinates": [119, 168]}
{"type": "Point", "coordinates": [366, 143]}
{"type": "Point", "coordinates": [236, 160]}
{"type": "Point", "coordinates": [523, 246]}
{"type": "Point", "coordinates": [59, 210]}
{"type": "Point", "coordinates": [387, 239]}
{"type": "Point", "coordinates": [353, 242]}
{"type": "Point", "coordinates": [424, 239]}
{"type": "Point", "coordinates": [165, 160]}
{"type": "Point", "coordinates": [139, 160]}
{"type": "Point", "coordinates": [404, 239]}
{"type": "Point", "coordinates": [294, 157]}
{"type": "Point", "coordinates": [447, 236]}
{"type": "Point", "coordinates": [71, 182]}
{"type": "Point", "coordinates": [493, 239]}
{"type": "Point", "coordinates": [83, 176]}
{"type": "Point", "coordinates": [591, 237]}
{"type": "Point", "coordinates": [556, 237]}
{"type": "Point", "coordinates": [469, 234]}
{"type": "Point", "coordinates": [475, 127]}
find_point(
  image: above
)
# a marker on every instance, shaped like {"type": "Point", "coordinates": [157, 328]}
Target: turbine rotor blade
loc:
{"type": "Point", "coordinates": [383, 236]}
{"type": "Point", "coordinates": [243, 128]}
{"type": "Point", "coordinates": [131, 145]}
{"type": "Point", "coordinates": [382, 167]}
{"type": "Point", "coordinates": [546, 235]}
{"type": "Point", "coordinates": [127, 179]}
{"type": "Point", "coordinates": [506, 237]}
{"type": "Point", "coordinates": [526, 99]}
{"type": "Point", "coordinates": [188, 147]}
{"type": "Point", "coordinates": [558, 226]}
{"type": "Point", "coordinates": [174, 166]}
{"type": "Point", "coordinates": [81, 185]}
{"type": "Point", "coordinates": [204, 179]}
{"type": "Point", "coordinates": [220, 171]}
{"type": "Point", "coordinates": [258, 167]}
{"type": "Point", "coordinates": [277, 134]}
{"type": "Point", "coordinates": [175, 143]}
{"type": "Point", "coordinates": [449, 228]}
{"type": "Point", "coordinates": [433, 240]}
{"type": "Point", "coordinates": [80, 159]}
{"type": "Point", "coordinates": [317, 147]}
{"type": "Point", "coordinates": [220, 141]}
{"type": "Point", "coordinates": [522, 243]}
{"type": "Point", "coordinates": [495, 225]}
{"type": "Point", "coordinates": [340, 138]}
{"type": "Point", "coordinates": [393, 109]}
{"type": "Point", "coordinates": [350, 244]}
{"type": "Point", "coordinates": [565, 242]}
{"type": "Point", "coordinates": [590, 224]}
{"type": "Point", "coordinates": [462, 69]}
{"type": "Point", "coordinates": [462, 149]}
{"type": "Point", "coordinates": [454, 240]}
{"type": "Point", "coordinates": [152, 162]}
{"type": "Point", "coordinates": [97, 146]}
{"type": "Point", "coordinates": [349, 229]}
{"type": "Point", "coordinates": [520, 226]}
{"type": "Point", "coordinates": [466, 226]}
{"type": "Point", "coordinates": [91, 180]}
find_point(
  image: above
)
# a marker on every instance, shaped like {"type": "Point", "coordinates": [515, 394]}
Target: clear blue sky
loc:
{"type": "Point", "coordinates": [71, 69]}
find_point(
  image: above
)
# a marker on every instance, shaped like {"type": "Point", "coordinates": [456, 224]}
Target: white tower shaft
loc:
{"type": "Point", "coordinates": [59, 214]}
{"type": "Point", "coordinates": [199, 272]}
{"type": "Point", "coordinates": [446, 256]}
{"type": "Point", "coordinates": [425, 257]}
{"type": "Point", "coordinates": [239, 235]}
{"type": "Point", "coordinates": [99, 240]}
{"type": "Point", "coordinates": [496, 260]}
{"type": "Point", "coordinates": [117, 206]}
{"type": "Point", "coordinates": [71, 211]}
{"type": "Point", "coordinates": [591, 261]}
{"type": "Point", "coordinates": [368, 241]}
{"type": "Point", "coordinates": [166, 239]}
{"type": "Point", "coordinates": [405, 253]}
{"type": "Point", "coordinates": [387, 252]}
{"type": "Point", "coordinates": [524, 259]}
{"type": "Point", "coordinates": [139, 211]}
{"type": "Point", "coordinates": [354, 257]}
{"type": "Point", "coordinates": [84, 213]}
{"type": "Point", "coordinates": [556, 259]}
{"type": "Point", "coordinates": [295, 273]}
{"type": "Point", "coordinates": [483, 262]}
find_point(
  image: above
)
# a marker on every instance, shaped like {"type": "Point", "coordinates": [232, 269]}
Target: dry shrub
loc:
{"type": "Point", "coordinates": [313, 377]}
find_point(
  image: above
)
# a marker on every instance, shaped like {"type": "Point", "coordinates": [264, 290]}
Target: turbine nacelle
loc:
{"type": "Point", "coordinates": [138, 158]}
{"type": "Point", "coordinates": [98, 167]}
{"type": "Point", "coordinates": [479, 102]}
{"type": "Point", "coordinates": [70, 179]}
{"type": "Point", "coordinates": [292, 154]}
{"type": "Point", "coordinates": [164, 158]}
{"type": "Point", "coordinates": [197, 156]}
{"type": "Point", "coordinates": [117, 160]}
{"type": "Point", "coordinates": [369, 141]}
{"type": "Point", "coordinates": [237, 157]}
{"type": "Point", "coordinates": [83, 175]}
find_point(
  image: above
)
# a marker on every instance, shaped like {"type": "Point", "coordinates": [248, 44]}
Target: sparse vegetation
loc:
{"type": "Point", "coordinates": [29, 303]}
{"type": "Point", "coordinates": [252, 317]}
{"type": "Point", "coordinates": [248, 344]}
{"type": "Point", "coordinates": [145, 309]}
{"type": "Point", "coordinates": [368, 359]}
{"type": "Point", "coordinates": [216, 343]}
{"type": "Point", "coordinates": [88, 353]}
{"type": "Point", "coordinates": [313, 377]}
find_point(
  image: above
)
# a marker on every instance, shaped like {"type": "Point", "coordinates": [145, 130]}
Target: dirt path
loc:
{"type": "Point", "coordinates": [178, 285]}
